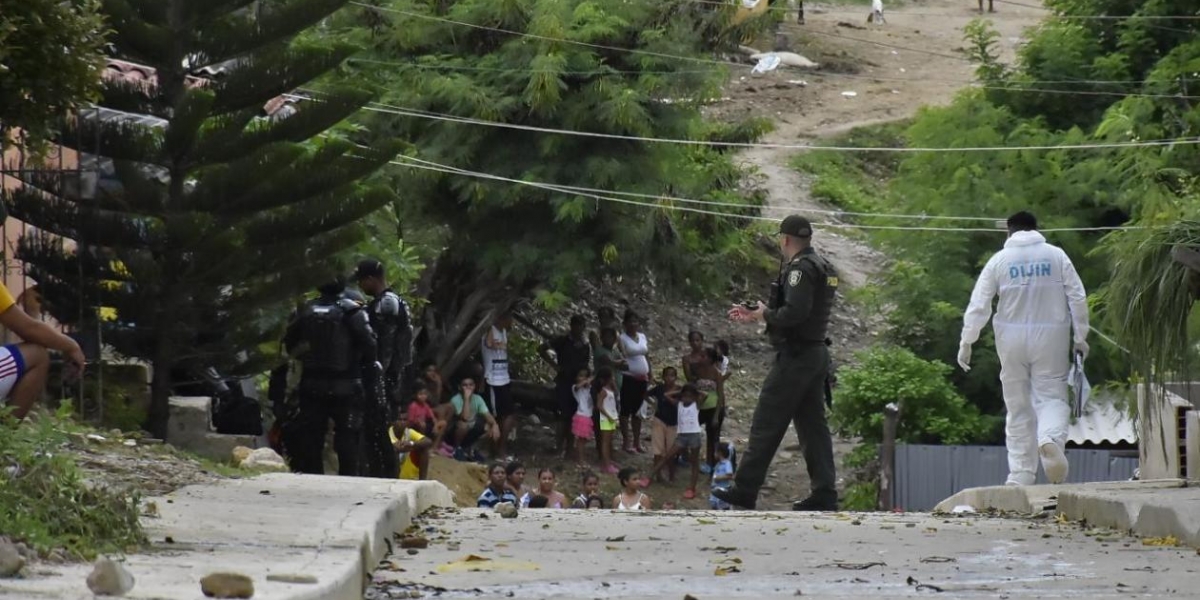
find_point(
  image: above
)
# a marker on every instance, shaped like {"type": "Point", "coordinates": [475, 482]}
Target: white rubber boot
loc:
{"type": "Point", "coordinates": [1054, 461]}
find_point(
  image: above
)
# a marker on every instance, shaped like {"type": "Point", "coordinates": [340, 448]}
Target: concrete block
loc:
{"type": "Point", "coordinates": [334, 529]}
{"type": "Point", "coordinates": [1037, 498]}
{"type": "Point", "coordinates": [190, 429]}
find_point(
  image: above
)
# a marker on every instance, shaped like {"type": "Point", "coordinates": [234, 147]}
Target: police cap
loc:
{"type": "Point", "coordinates": [368, 268]}
{"type": "Point", "coordinates": [796, 225]}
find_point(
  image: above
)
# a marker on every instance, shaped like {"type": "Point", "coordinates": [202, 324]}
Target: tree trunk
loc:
{"type": "Point", "coordinates": [451, 340]}
{"type": "Point", "coordinates": [887, 456]}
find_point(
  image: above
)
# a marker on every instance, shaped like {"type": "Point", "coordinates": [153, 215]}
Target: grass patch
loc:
{"type": "Point", "coordinates": [854, 181]}
{"type": "Point", "coordinates": [45, 500]}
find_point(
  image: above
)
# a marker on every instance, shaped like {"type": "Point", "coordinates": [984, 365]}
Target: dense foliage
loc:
{"type": "Point", "coordinates": [495, 241]}
{"type": "Point", "coordinates": [1076, 81]}
{"type": "Point", "coordinates": [933, 411]}
{"type": "Point", "coordinates": [49, 62]}
{"type": "Point", "coordinates": [211, 212]}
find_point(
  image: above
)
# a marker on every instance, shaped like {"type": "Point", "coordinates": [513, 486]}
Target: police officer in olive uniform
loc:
{"type": "Point", "coordinates": [332, 338]}
{"type": "Point", "coordinates": [797, 320]}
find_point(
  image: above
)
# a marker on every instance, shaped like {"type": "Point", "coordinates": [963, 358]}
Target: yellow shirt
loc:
{"type": "Point", "coordinates": [408, 468]}
{"type": "Point", "coordinates": [6, 299]}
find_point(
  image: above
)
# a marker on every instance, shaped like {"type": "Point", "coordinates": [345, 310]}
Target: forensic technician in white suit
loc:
{"type": "Point", "coordinates": [1041, 301]}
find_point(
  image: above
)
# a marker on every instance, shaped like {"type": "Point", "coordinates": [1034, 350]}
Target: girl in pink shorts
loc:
{"type": "Point", "coordinates": [581, 423]}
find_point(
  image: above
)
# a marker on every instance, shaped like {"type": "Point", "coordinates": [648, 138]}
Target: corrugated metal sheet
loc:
{"type": "Point", "coordinates": [926, 475]}
{"type": "Point", "coordinates": [1103, 422]}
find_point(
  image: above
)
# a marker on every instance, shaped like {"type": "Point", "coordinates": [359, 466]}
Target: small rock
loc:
{"type": "Point", "coordinates": [56, 557]}
{"type": "Point", "coordinates": [130, 443]}
{"type": "Point", "coordinates": [286, 578]}
{"type": "Point", "coordinates": [413, 551]}
{"type": "Point", "coordinates": [535, 420]}
{"type": "Point", "coordinates": [240, 454]}
{"type": "Point", "coordinates": [265, 459]}
{"type": "Point", "coordinates": [227, 585]}
{"type": "Point", "coordinates": [11, 560]}
{"type": "Point", "coordinates": [109, 578]}
{"type": "Point", "coordinates": [414, 541]}
{"type": "Point", "coordinates": [96, 438]}
{"type": "Point", "coordinates": [506, 510]}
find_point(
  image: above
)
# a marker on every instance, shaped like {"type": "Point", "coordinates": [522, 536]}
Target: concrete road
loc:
{"type": "Point", "coordinates": [601, 554]}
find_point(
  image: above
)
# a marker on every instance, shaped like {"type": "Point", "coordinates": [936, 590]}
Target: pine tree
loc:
{"type": "Point", "coordinates": [504, 241]}
{"type": "Point", "coordinates": [217, 215]}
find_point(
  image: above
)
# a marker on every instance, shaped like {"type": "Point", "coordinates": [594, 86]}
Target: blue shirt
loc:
{"type": "Point", "coordinates": [489, 499]}
{"type": "Point", "coordinates": [724, 467]}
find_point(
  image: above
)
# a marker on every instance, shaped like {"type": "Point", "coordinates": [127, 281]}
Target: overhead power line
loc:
{"type": "Point", "coordinates": [425, 165]}
{"type": "Point", "coordinates": [416, 113]}
{"type": "Point", "coordinates": [1022, 87]}
{"type": "Point", "coordinates": [971, 15]}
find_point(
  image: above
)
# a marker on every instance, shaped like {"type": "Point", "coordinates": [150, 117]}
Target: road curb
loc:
{"type": "Point", "coordinates": [1157, 512]}
{"type": "Point", "coordinates": [318, 537]}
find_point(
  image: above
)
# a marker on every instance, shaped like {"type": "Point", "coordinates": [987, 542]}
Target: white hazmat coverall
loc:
{"type": "Point", "coordinates": [1041, 299]}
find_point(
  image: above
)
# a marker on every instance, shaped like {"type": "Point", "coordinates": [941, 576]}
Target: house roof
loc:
{"type": "Point", "coordinates": [147, 78]}
{"type": "Point", "coordinates": [1104, 421]}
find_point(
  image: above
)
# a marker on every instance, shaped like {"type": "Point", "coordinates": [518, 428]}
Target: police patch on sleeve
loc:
{"type": "Point", "coordinates": [794, 278]}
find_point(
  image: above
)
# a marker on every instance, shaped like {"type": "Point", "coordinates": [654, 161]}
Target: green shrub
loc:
{"type": "Point", "coordinates": [932, 409]}
{"type": "Point", "coordinates": [861, 496]}
{"type": "Point", "coordinates": [45, 501]}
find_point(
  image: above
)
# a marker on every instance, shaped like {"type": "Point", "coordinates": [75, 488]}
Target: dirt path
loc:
{"type": "Point", "coordinates": [915, 59]}
{"type": "Point", "coordinates": [803, 113]}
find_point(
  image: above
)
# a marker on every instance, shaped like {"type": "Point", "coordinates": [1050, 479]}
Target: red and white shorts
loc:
{"type": "Point", "coordinates": [12, 367]}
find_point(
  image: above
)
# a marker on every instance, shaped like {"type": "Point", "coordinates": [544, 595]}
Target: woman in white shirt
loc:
{"type": "Point", "coordinates": [635, 348]}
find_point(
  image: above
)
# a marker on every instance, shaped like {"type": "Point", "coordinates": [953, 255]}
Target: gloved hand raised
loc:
{"type": "Point", "coordinates": [964, 356]}
{"type": "Point", "coordinates": [1082, 348]}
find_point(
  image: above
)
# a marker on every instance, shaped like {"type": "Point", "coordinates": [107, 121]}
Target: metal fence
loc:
{"type": "Point", "coordinates": [926, 475]}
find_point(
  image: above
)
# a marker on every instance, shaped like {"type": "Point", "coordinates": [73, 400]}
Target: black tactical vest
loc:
{"type": "Point", "coordinates": [331, 348]}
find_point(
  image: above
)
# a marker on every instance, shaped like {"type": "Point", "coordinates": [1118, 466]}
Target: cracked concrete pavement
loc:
{"type": "Point", "coordinates": [602, 554]}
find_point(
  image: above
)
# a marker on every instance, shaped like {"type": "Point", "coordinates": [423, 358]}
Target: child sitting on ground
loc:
{"type": "Point", "coordinates": [411, 447]}
{"type": "Point", "coordinates": [422, 417]}
{"type": "Point", "coordinates": [591, 483]}
{"type": "Point", "coordinates": [722, 477]}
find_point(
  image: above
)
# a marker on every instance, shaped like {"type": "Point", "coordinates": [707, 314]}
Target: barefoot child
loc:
{"type": "Point", "coordinates": [630, 498]}
{"type": "Point", "coordinates": [606, 403]}
{"type": "Point", "coordinates": [666, 415]}
{"type": "Point", "coordinates": [688, 438]}
{"type": "Point", "coordinates": [581, 423]}
{"type": "Point", "coordinates": [591, 484]}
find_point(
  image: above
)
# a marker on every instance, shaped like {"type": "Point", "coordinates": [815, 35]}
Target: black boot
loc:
{"type": "Point", "coordinates": [736, 497]}
{"type": "Point", "coordinates": [816, 504]}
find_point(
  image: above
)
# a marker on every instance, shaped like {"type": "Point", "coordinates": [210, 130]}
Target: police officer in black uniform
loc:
{"type": "Point", "coordinates": [393, 327]}
{"type": "Point", "coordinates": [795, 388]}
{"type": "Point", "coordinates": [332, 338]}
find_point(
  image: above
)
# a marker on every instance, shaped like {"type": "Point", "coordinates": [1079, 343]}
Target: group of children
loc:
{"type": "Point", "coordinates": [506, 483]}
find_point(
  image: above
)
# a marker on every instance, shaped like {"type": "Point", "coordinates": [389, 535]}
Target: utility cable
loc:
{"type": "Point", "coordinates": [401, 111]}
{"type": "Point", "coordinates": [441, 168]}
{"type": "Point", "coordinates": [829, 74]}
